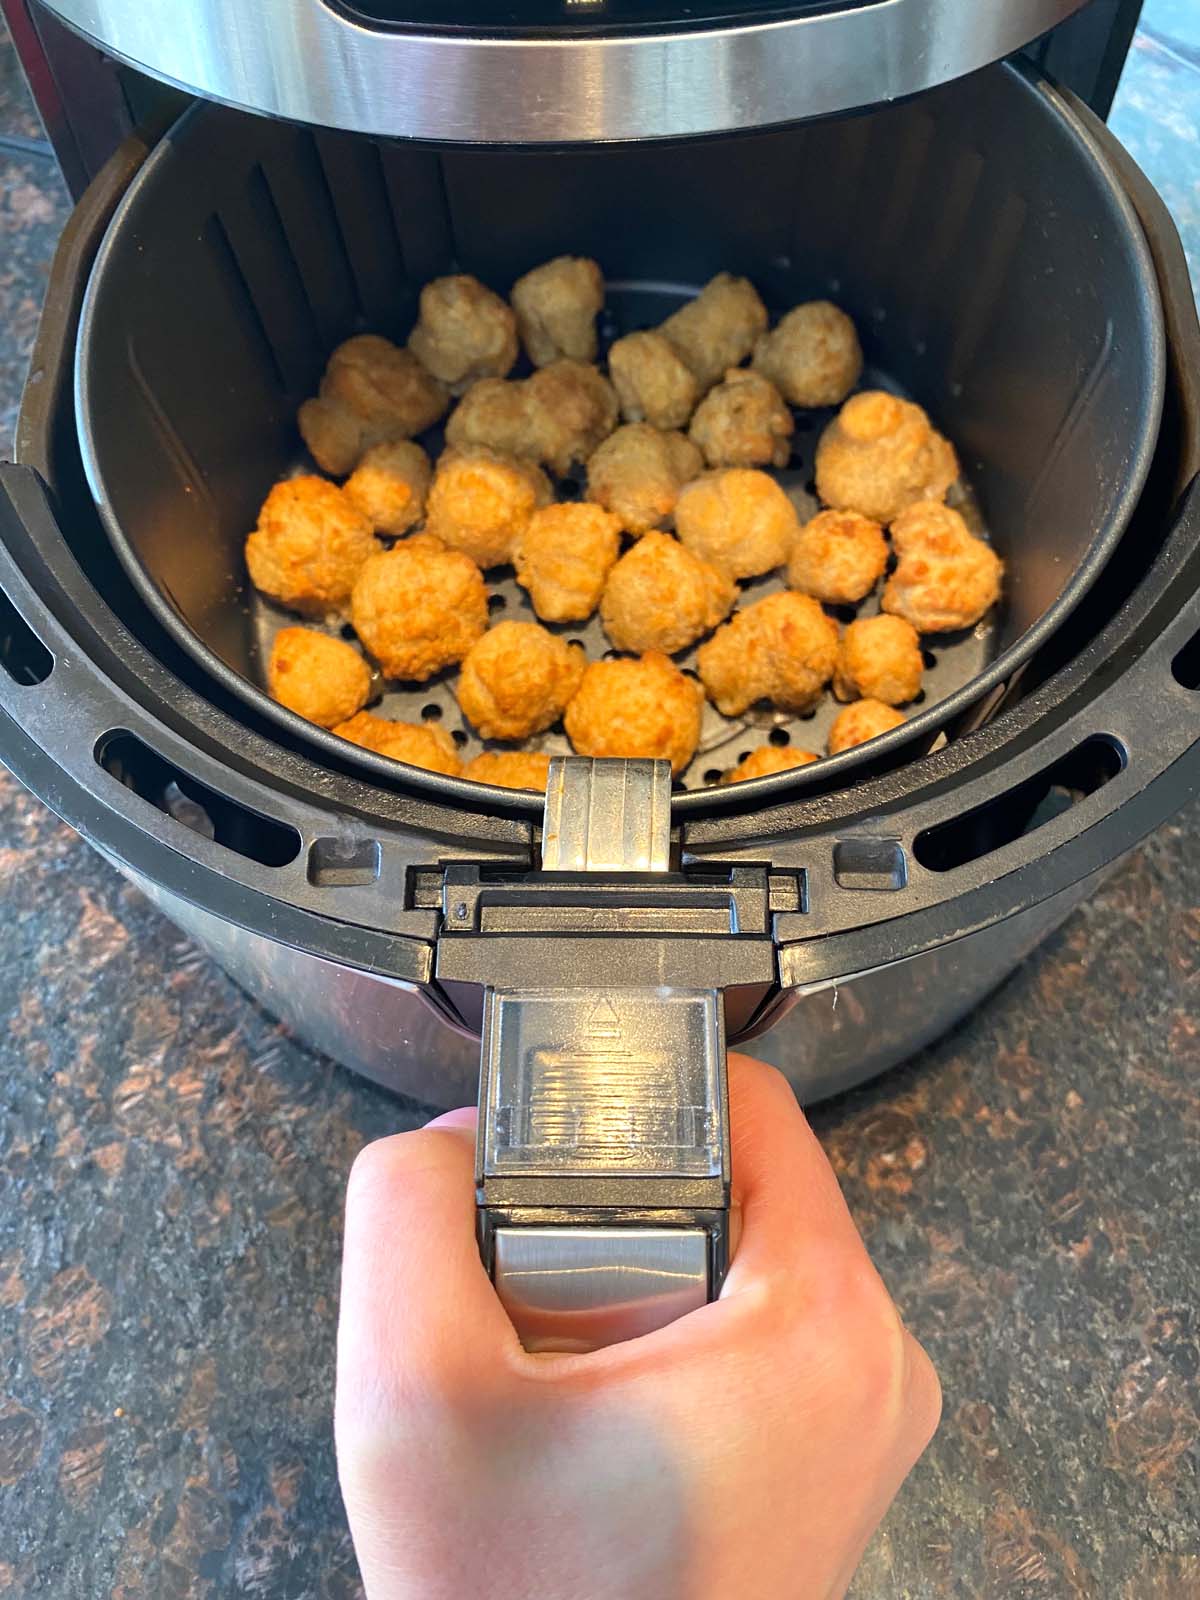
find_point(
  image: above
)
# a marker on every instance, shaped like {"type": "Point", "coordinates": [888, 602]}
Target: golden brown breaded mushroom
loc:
{"type": "Point", "coordinates": [653, 382]}
{"type": "Point", "coordinates": [637, 708]}
{"type": "Point", "coordinates": [564, 556]}
{"type": "Point", "coordinates": [718, 328]}
{"type": "Point", "coordinates": [421, 744]}
{"type": "Point", "coordinates": [865, 719]}
{"type": "Point", "coordinates": [517, 679]}
{"type": "Point", "coordinates": [638, 472]}
{"type": "Point", "coordinates": [372, 393]}
{"type": "Point", "coordinates": [464, 331]}
{"type": "Point", "coordinates": [556, 417]}
{"type": "Point", "coordinates": [812, 356]}
{"type": "Point", "coordinates": [389, 486]}
{"type": "Point", "coordinates": [838, 557]}
{"type": "Point", "coordinates": [782, 648]}
{"type": "Point", "coordinates": [766, 759]}
{"type": "Point", "coordinates": [318, 677]}
{"type": "Point", "coordinates": [743, 423]}
{"type": "Point", "coordinates": [880, 455]}
{"type": "Point", "coordinates": [557, 305]}
{"type": "Point", "coordinates": [419, 608]}
{"type": "Point", "coordinates": [945, 578]}
{"type": "Point", "coordinates": [480, 502]}
{"type": "Point", "coordinates": [510, 769]}
{"type": "Point", "coordinates": [309, 546]}
{"type": "Point", "coordinates": [739, 519]}
{"type": "Point", "coordinates": [879, 658]}
{"type": "Point", "coordinates": [660, 596]}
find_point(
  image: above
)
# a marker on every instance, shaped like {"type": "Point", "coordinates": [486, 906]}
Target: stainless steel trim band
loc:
{"type": "Point", "coordinates": [302, 60]}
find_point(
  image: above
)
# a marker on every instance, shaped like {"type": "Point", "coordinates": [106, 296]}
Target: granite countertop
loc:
{"type": "Point", "coordinates": [172, 1168]}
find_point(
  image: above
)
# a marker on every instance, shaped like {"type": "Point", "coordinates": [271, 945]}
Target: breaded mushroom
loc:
{"type": "Point", "coordinates": [743, 423]}
{"type": "Point", "coordinates": [309, 546]}
{"type": "Point", "coordinates": [879, 658]}
{"type": "Point", "coordinates": [421, 744]}
{"type": "Point", "coordinates": [464, 331]}
{"type": "Point", "coordinates": [389, 486]}
{"type": "Point", "coordinates": [717, 329]}
{"type": "Point", "coordinates": [563, 557]}
{"type": "Point", "coordinates": [637, 474]}
{"type": "Point", "coordinates": [653, 382]}
{"type": "Point", "coordinates": [782, 648]}
{"type": "Point", "coordinates": [317, 676]}
{"type": "Point", "coordinates": [644, 707]}
{"type": "Point", "coordinates": [739, 519]}
{"type": "Point", "coordinates": [660, 596]}
{"type": "Point", "coordinates": [480, 502]}
{"type": "Point", "coordinates": [945, 578]}
{"type": "Point", "coordinates": [865, 719]}
{"type": "Point", "coordinates": [880, 455]}
{"type": "Point", "coordinates": [372, 393]}
{"type": "Point", "coordinates": [838, 557]}
{"type": "Point", "coordinates": [419, 607]}
{"type": "Point", "coordinates": [516, 680]}
{"type": "Point", "coordinates": [768, 758]}
{"type": "Point", "coordinates": [556, 417]}
{"type": "Point", "coordinates": [557, 305]}
{"type": "Point", "coordinates": [812, 355]}
{"type": "Point", "coordinates": [510, 769]}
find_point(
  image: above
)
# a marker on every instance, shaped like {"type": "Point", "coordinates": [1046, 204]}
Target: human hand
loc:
{"type": "Point", "coordinates": [747, 1450]}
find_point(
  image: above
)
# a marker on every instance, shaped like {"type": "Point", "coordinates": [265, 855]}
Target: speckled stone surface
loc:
{"type": "Point", "coordinates": [171, 1176]}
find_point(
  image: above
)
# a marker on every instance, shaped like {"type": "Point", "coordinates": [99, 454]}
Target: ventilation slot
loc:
{"type": "Point", "coordinates": [1022, 810]}
{"type": "Point", "coordinates": [192, 803]}
{"type": "Point", "coordinates": [1186, 666]}
{"type": "Point", "coordinates": [23, 655]}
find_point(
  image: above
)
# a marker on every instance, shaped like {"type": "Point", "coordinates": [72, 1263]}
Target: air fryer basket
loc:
{"type": "Point", "coordinates": [993, 265]}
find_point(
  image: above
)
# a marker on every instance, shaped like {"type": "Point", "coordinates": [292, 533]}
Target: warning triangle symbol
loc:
{"type": "Point", "coordinates": [604, 1020]}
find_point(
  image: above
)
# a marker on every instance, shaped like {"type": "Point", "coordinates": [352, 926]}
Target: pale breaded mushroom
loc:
{"type": "Point", "coordinates": [317, 676]}
{"type": "Point", "coordinates": [564, 556]}
{"type": "Point", "coordinates": [768, 758]}
{"type": "Point", "coordinates": [638, 472]}
{"type": "Point", "coordinates": [419, 607]}
{"type": "Point", "coordinates": [481, 502]}
{"type": "Point", "coordinates": [464, 331]}
{"type": "Point", "coordinates": [717, 330]}
{"type": "Point", "coordinates": [372, 393]}
{"type": "Point", "coordinates": [838, 557]}
{"type": "Point", "coordinates": [389, 486]}
{"type": "Point", "coordinates": [739, 519]}
{"type": "Point", "coordinates": [653, 382]}
{"type": "Point", "coordinates": [516, 680]}
{"type": "Point", "coordinates": [660, 596]}
{"type": "Point", "coordinates": [881, 455]}
{"type": "Point", "coordinates": [421, 744]}
{"type": "Point", "coordinates": [637, 708]}
{"type": "Point", "coordinates": [945, 578]}
{"type": "Point", "coordinates": [556, 417]}
{"type": "Point", "coordinates": [865, 719]}
{"type": "Point", "coordinates": [557, 305]}
{"type": "Point", "coordinates": [782, 648]}
{"type": "Point", "coordinates": [879, 658]}
{"type": "Point", "coordinates": [743, 423]}
{"type": "Point", "coordinates": [812, 355]}
{"type": "Point", "coordinates": [310, 544]}
{"type": "Point", "coordinates": [510, 769]}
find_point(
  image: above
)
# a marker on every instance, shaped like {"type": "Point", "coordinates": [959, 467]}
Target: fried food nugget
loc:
{"type": "Point", "coordinates": [717, 329]}
{"type": "Point", "coordinates": [421, 744]}
{"type": "Point", "coordinates": [637, 474]}
{"type": "Point", "coordinates": [563, 557]}
{"type": "Point", "coordinates": [309, 546]}
{"type": "Point", "coordinates": [481, 502]}
{"type": "Point", "coordinates": [660, 596]}
{"type": "Point", "coordinates": [389, 486]}
{"type": "Point", "coordinates": [838, 557]}
{"type": "Point", "coordinates": [557, 305]}
{"type": "Point", "coordinates": [419, 607]}
{"type": "Point", "coordinates": [510, 769]}
{"type": "Point", "coordinates": [556, 417]}
{"type": "Point", "coordinates": [318, 677]}
{"type": "Point", "coordinates": [517, 680]}
{"type": "Point", "coordinates": [743, 423]}
{"type": "Point", "coordinates": [782, 648]}
{"type": "Point", "coordinates": [946, 578]}
{"type": "Point", "coordinates": [653, 382]}
{"type": "Point", "coordinates": [463, 332]}
{"type": "Point", "coordinates": [865, 719]}
{"type": "Point", "coordinates": [637, 708]}
{"type": "Point", "coordinates": [880, 455]}
{"type": "Point", "coordinates": [739, 519]}
{"type": "Point", "coordinates": [766, 759]}
{"type": "Point", "coordinates": [372, 393]}
{"type": "Point", "coordinates": [879, 658]}
{"type": "Point", "coordinates": [812, 355]}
